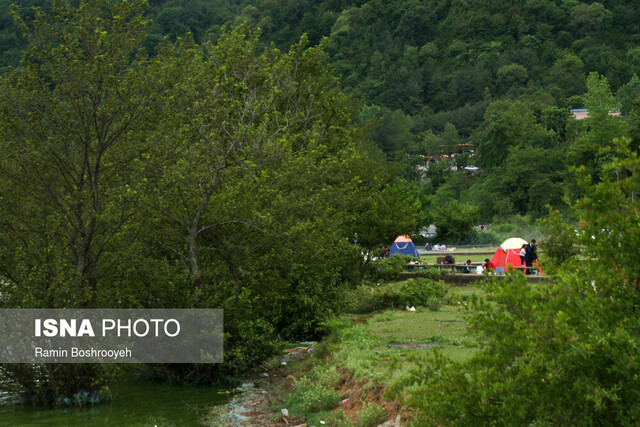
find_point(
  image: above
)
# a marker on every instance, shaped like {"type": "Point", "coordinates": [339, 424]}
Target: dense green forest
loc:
{"type": "Point", "coordinates": [429, 76]}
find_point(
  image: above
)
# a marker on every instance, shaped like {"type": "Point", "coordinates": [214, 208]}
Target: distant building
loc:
{"type": "Point", "coordinates": [583, 113]}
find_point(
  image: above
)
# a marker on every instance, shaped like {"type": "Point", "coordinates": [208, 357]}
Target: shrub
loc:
{"type": "Point", "coordinates": [388, 268]}
{"type": "Point", "coordinates": [486, 237]}
{"type": "Point", "coordinates": [413, 292]}
{"type": "Point", "coordinates": [313, 397]}
{"type": "Point", "coordinates": [433, 304]}
{"type": "Point", "coordinates": [315, 392]}
{"type": "Point", "coordinates": [372, 415]}
{"type": "Point", "coordinates": [423, 292]}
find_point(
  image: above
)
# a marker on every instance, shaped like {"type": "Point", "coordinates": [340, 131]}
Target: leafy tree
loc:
{"type": "Point", "coordinates": [450, 138]}
{"type": "Point", "coordinates": [601, 127]}
{"type": "Point", "coordinates": [590, 18]}
{"type": "Point", "coordinates": [483, 194]}
{"type": "Point", "coordinates": [531, 178]}
{"type": "Point", "coordinates": [394, 132]}
{"type": "Point", "coordinates": [506, 125]}
{"type": "Point", "coordinates": [429, 144]}
{"type": "Point", "coordinates": [74, 116]}
{"type": "Point", "coordinates": [511, 76]}
{"type": "Point", "coordinates": [454, 221]}
{"type": "Point", "coordinates": [627, 94]}
{"type": "Point", "coordinates": [555, 119]}
{"type": "Point", "coordinates": [393, 210]}
{"type": "Point", "coordinates": [438, 172]}
{"type": "Point", "coordinates": [256, 203]}
{"type": "Point", "coordinates": [227, 176]}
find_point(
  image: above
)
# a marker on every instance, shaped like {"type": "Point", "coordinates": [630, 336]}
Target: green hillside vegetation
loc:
{"type": "Point", "coordinates": [429, 76]}
{"type": "Point", "coordinates": [500, 76]}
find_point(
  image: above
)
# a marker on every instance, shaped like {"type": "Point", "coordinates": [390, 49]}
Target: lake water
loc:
{"type": "Point", "coordinates": [141, 404]}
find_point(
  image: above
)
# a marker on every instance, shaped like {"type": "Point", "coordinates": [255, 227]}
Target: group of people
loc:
{"type": "Point", "coordinates": [528, 255]}
{"type": "Point", "coordinates": [480, 268]}
{"type": "Point", "coordinates": [436, 247]}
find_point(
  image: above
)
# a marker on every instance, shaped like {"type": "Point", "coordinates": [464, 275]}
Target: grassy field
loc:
{"type": "Point", "coordinates": [345, 382]}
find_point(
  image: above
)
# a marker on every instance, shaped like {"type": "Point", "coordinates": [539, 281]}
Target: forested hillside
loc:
{"type": "Point", "coordinates": [431, 75]}
{"type": "Point", "coordinates": [501, 75]}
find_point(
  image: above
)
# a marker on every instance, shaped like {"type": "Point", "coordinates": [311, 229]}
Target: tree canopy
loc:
{"type": "Point", "coordinates": [224, 175]}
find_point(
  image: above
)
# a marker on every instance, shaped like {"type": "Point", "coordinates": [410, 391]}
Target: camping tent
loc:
{"type": "Point", "coordinates": [403, 245]}
{"type": "Point", "coordinates": [507, 254]}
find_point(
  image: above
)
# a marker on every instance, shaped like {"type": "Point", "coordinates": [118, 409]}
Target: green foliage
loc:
{"type": "Point", "coordinates": [440, 74]}
{"type": "Point", "coordinates": [555, 119]}
{"type": "Point", "coordinates": [418, 292]}
{"type": "Point", "coordinates": [67, 211]}
{"type": "Point", "coordinates": [315, 392]}
{"type": "Point", "coordinates": [247, 341]}
{"type": "Point", "coordinates": [627, 94]}
{"type": "Point", "coordinates": [393, 210]}
{"type": "Point", "coordinates": [388, 268]}
{"type": "Point", "coordinates": [601, 127]}
{"type": "Point", "coordinates": [371, 415]}
{"type": "Point", "coordinates": [57, 385]}
{"type": "Point", "coordinates": [560, 245]}
{"type": "Point", "coordinates": [508, 124]}
{"type": "Point", "coordinates": [423, 292]}
{"type": "Point", "coordinates": [454, 221]}
{"type": "Point", "coordinates": [486, 237]}
{"type": "Point", "coordinates": [224, 175]}
{"type": "Point", "coordinates": [543, 360]}
{"type": "Point", "coordinates": [234, 175]}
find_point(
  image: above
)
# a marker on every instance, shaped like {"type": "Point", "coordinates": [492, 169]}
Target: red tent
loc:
{"type": "Point", "coordinates": [507, 254]}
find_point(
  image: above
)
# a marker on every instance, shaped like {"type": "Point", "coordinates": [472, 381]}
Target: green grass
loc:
{"type": "Point", "coordinates": [462, 293]}
{"type": "Point", "coordinates": [388, 339]}
{"type": "Point", "coordinates": [423, 326]}
{"type": "Point", "coordinates": [377, 349]}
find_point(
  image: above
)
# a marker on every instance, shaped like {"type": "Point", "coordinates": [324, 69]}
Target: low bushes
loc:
{"type": "Point", "coordinates": [316, 393]}
{"type": "Point", "coordinates": [388, 268]}
{"type": "Point", "coordinates": [418, 292]}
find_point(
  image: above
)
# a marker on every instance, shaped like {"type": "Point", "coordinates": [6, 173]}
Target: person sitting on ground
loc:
{"type": "Point", "coordinates": [467, 267]}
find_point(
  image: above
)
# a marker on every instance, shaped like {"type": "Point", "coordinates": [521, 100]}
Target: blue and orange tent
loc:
{"type": "Point", "coordinates": [403, 245]}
